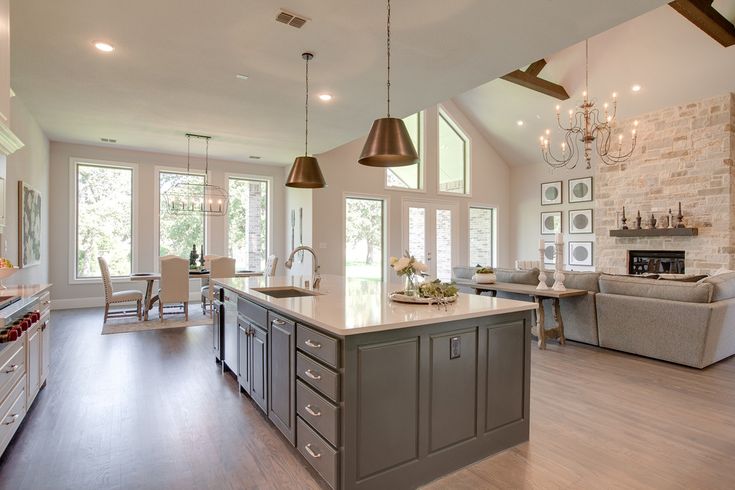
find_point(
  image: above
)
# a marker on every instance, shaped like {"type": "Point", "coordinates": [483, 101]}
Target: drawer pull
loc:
{"type": "Point", "coordinates": [311, 343]}
{"type": "Point", "coordinates": [11, 369]}
{"type": "Point", "coordinates": [312, 412]}
{"type": "Point", "coordinates": [311, 452]}
{"type": "Point", "coordinates": [278, 322]}
{"type": "Point", "coordinates": [313, 376]}
{"type": "Point", "coordinates": [13, 417]}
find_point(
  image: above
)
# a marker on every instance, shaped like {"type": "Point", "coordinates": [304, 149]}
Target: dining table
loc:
{"type": "Point", "coordinates": [151, 277]}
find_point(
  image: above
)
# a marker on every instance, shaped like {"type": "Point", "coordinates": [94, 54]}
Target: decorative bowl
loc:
{"type": "Point", "coordinates": [484, 278]}
{"type": "Point", "coordinates": [6, 272]}
{"type": "Point", "coordinates": [399, 297]}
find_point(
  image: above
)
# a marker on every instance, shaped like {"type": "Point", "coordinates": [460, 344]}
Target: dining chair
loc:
{"type": "Point", "coordinates": [219, 267]}
{"type": "Point", "coordinates": [117, 297]}
{"type": "Point", "coordinates": [174, 284]}
{"type": "Point", "coordinates": [270, 266]}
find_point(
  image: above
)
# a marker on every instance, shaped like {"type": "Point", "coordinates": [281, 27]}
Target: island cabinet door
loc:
{"type": "Point", "coordinates": [282, 375]}
{"type": "Point", "coordinates": [259, 372]}
{"type": "Point", "coordinates": [243, 357]}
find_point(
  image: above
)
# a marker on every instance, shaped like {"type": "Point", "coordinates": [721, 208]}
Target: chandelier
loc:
{"type": "Point", "coordinates": [191, 197]}
{"type": "Point", "coordinates": [593, 128]}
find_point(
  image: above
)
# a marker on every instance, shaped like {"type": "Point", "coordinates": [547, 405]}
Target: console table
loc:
{"type": "Point", "coordinates": [538, 296]}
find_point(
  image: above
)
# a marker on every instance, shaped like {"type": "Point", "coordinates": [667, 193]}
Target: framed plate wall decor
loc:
{"type": "Point", "coordinates": [580, 253]}
{"type": "Point", "coordinates": [551, 193]}
{"type": "Point", "coordinates": [580, 190]}
{"type": "Point", "coordinates": [551, 222]}
{"type": "Point", "coordinates": [549, 253]}
{"type": "Point", "coordinates": [580, 221]}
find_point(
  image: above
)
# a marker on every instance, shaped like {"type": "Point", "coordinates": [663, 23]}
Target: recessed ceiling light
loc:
{"type": "Point", "coordinates": [104, 47]}
{"type": "Point", "coordinates": [636, 88]}
{"type": "Point", "coordinates": [325, 97]}
{"type": "Point", "coordinates": [519, 122]}
{"type": "Point", "coordinates": [240, 76]}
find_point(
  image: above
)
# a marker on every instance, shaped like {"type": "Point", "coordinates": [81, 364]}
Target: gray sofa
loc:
{"type": "Point", "coordinates": [690, 323]}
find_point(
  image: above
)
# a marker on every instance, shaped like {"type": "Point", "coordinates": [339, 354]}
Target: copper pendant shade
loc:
{"type": "Point", "coordinates": [388, 143]}
{"type": "Point", "coordinates": [305, 172]}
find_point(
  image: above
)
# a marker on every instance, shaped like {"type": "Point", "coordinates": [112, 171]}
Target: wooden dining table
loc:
{"type": "Point", "coordinates": [151, 277]}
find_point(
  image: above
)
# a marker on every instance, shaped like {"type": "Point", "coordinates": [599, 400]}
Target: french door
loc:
{"type": "Point", "coordinates": [431, 234]}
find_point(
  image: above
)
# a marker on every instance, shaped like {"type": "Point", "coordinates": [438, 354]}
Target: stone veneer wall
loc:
{"type": "Point", "coordinates": [684, 153]}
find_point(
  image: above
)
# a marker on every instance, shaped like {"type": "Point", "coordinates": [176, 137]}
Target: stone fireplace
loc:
{"type": "Point", "coordinates": [684, 154]}
{"type": "Point", "coordinates": [656, 262]}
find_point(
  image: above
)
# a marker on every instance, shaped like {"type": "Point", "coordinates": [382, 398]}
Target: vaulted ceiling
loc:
{"type": "Point", "coordinates": [672, 60]}
{"type": "Point", "coordinates": [175, 62]}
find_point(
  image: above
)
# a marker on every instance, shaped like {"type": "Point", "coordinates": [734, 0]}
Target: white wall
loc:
{"type": "Point", "coordinates": [66, 294]}
{"type": "Point", "coordinates": [31, 165]}
{"type": "Point", "coordinates": [298, 199]}
{"type": "Point", "coordinates": [490, 185]}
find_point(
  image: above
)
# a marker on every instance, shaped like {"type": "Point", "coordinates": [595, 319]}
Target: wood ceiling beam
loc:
{"type": "Point", "coordinates": [530, 79]}
{"type": "Point", "coordinates": [702, 14]}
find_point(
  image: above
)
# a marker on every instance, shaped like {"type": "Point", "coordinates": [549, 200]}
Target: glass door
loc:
{"type": "Point", "coordinates": [430, 234]}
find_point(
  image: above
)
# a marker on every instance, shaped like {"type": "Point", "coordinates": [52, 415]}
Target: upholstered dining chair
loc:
{"type": "Point", "coordinates": [219, 267]}
{"type": "Point", "coordinates": [270, 266]}
{"type": "Point", "coordinates": [118, 297]}
{"type": "Point", "coordinates": [174, 284]}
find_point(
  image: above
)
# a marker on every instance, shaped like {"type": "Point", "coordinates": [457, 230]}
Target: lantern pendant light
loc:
{"type": "Point", "coordinates": [305, 172]}
{"type": "Point", "coordinates": [388, 143]}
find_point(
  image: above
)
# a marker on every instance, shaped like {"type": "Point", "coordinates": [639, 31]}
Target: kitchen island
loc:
{"type": "Point", "coordinates": [377, 394]}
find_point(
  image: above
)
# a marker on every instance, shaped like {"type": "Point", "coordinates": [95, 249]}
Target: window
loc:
{"type": "Point", "coordinates": [482, 236]}
{"type": "Point", "coordinates": [453, 157]}
{"type": "Point", "coordinates": [409, 177]}
{"type": "Point", "coordinates": [177, 233]}
{"type": "Point", "coordinates": [247, 222]}
{"type": "Point", "coordinates": [364, 238]}
{"type": "Point", "coordinates": [104, 219]}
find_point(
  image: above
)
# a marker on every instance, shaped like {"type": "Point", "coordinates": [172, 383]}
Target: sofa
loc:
{"type": "Point", "coordinates": [689, 323]}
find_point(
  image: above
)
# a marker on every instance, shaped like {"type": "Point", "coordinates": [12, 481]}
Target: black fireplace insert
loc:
{"type": "Point", "coordinates": [656, 262]}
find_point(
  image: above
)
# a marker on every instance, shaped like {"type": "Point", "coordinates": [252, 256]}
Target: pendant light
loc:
{"type": "Point", "coordinates": [388, 144]}
{"type": "Point", "coordinates": [305, 172]}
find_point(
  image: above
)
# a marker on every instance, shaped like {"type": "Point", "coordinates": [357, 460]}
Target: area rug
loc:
{"type": "Point", "coordinates": [170, 320]}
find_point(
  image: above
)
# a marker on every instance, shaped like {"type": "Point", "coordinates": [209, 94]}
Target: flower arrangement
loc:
{"type": "Point", "coordinates": [485, 270]}
{"type": "Point", "coordinates": [409, 267]}
{"type": "Point", "coordinates": [484, 275]}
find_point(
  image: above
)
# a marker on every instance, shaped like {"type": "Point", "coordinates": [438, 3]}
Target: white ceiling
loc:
{"type": "Point", "coordinates": [174, 67]}
{"type": "Point", "coordinates": [673, 61]}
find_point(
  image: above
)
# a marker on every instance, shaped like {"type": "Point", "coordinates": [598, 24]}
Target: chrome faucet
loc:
{"type": "Point", "coordinates": [315, 277]}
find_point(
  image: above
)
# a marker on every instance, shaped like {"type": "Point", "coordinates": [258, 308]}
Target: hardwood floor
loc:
{"type": "Point", "coordinates": [151, 410]}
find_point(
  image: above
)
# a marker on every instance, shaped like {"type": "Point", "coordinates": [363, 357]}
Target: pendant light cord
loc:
{"type": "Point", "coordinates": [306, 106]}
{"type": "Point", "coordinates": [188, 153]}
{"type": "Point", "coordinates": [206, 162]}
{"type": "Point", "coordinates": [587, 66]}
{"type": "Point", "coordinates": [388, 50]}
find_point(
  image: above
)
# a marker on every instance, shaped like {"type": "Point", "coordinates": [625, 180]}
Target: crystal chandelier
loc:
{"type": "Point", "coordinates": [591, 127]}
{"type": "Point", "coordinates": [187, 197]}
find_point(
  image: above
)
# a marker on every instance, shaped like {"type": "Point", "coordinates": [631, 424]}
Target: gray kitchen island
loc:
{"type": "Point", "coordinates": [373, 393]}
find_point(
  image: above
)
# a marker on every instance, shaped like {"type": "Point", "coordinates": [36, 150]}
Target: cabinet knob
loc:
{"type": "Point", "coordinates": [312, 412]}
{"type": "Point", "coordinates": [311, 343]}
{"type": "Point", "coordinates": [311, 452]}
{"type": "Point", "coordinates": [276, 321]}
{"type": "Point", "coordinates": [311, 375]}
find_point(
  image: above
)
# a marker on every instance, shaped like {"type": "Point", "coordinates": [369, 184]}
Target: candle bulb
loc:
{"type": "Point", "coordinates": [559, 238]}
{"type": "Point", "coordinates": [541, 244]}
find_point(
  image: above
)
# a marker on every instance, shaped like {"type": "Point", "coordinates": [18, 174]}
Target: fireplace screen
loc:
{"type": "Point", "coordinates": [655, 262]}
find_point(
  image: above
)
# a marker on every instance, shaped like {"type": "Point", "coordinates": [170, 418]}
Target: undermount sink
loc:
{"type": "Point", "coordinates": [286, 292]}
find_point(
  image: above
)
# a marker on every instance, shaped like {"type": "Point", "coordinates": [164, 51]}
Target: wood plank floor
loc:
{"type": "Point", "coordinates": [151, 410]}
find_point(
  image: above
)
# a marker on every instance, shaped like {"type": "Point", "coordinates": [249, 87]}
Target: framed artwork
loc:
{"type": "Point", "coordinates": [580, 253]}
{"type": "Point", "coordinates": [29, 225]}
{"type": "Point", "coordinates": [580, 221]}
{"type": "Point", "coordinates": [580, 190]}
{"type": "Point", "coordinates": [551, 193]}
{"type": "Point", "coordinates": [549, 253]}
{"type": "Point", "coordinates": [551, 222]}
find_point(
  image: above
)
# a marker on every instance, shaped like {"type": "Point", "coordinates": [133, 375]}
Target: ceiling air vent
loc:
{"type": "Point", "coordinates": [108, 140]}
{"type": "Point", "coordinates": [290, 18]}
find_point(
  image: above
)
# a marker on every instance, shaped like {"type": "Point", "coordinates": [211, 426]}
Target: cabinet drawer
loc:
{"type": "Point", "coordinates": [12, 366]}
{"type": "Point", "coordinates": [317, 344]}
{"type": "Point", "coordinates": [12, 412]}
{"type": "Point", "coordinates": [317, 452]}
{"type": "Point", "coordinates": [320, 377]}
{"type": "Point", "coordinates": [44, 302]}
{"type": "Point", "coordinates": [318, 412]}
{"type": "Point", "coordinates": [251, 311]}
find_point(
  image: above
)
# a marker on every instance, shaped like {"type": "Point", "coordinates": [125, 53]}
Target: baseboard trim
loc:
{"type": "Point", "coordinates": [98, 302]}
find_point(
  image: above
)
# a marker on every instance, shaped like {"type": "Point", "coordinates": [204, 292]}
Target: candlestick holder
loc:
{"type": "Point", "coordinates": [541, 273]}
{"type": "Point", "coordinates": [559, 275]}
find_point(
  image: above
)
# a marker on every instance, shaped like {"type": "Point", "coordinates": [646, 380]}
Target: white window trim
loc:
{"type": "Point", "coordinates": [72, 264]}
{"type": "Point", "coordinates": [269, 209]}
{"type": "Point", "coordinates": [157, 210]}
{"type": "Point", "coordinates": [494, 255]}
{"type": "Point", "coordinates": [422, 163]}
{"type": "Point", "coordinates": [386, 228]}
{"type": "Point", "coordinates": [442, 112]}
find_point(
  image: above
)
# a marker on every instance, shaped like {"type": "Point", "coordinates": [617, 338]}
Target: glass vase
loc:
{"type": "Point", "coordinates": [411, 285]}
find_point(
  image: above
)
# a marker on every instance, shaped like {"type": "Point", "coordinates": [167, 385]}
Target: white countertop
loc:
{"type": "Point", "coordinates": [354, 306]}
